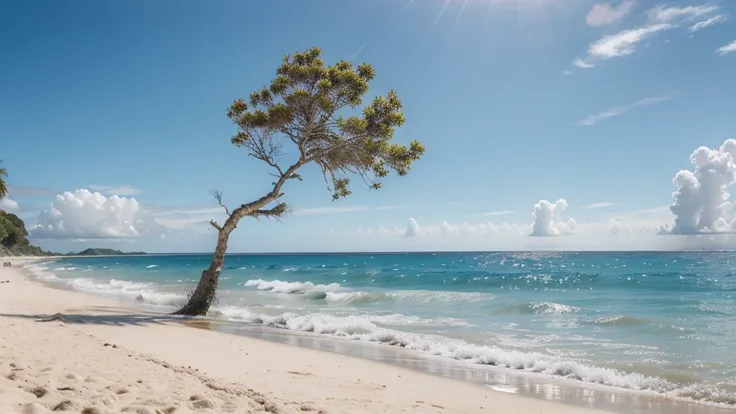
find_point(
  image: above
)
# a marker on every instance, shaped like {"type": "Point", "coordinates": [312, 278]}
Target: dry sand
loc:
{"type": "Point", "coordinates": [98, 358]}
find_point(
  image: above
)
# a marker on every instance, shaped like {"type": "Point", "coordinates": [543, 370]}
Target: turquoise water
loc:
{"type": "Point", "coordinates": [654, 322]}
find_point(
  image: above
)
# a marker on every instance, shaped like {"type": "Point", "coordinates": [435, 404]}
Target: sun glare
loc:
{"type": "Point", "coordinates": [528, 13]}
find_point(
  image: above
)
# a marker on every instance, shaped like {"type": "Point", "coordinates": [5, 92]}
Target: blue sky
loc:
{"type": "Point", "coordinates": [516, 101]}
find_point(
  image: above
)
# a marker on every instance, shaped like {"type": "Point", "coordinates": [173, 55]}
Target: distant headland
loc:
{"type": "Point", "coordinates": [105, 252]}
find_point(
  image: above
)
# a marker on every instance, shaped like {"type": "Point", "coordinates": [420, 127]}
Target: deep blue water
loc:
{"type": "Point", "coordinates": [661, 322]}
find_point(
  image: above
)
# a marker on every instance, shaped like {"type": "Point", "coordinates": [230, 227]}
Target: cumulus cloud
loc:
{"type": "Point", "coordinates": [412, 228]}
{"type": "Point", "coordinates": [729, 48]}
{"type": "Point", "coordinates": [707, 23]}
{"type": "Point", "coordinates": [8, 204]}
{"type": "Point", "coordinates": [85, 215]}
{"type": "Point", "coordinates": [444, 229]}
{"type": "Point", "coordinates": [621, 110]}
{"type": "Point", "coordinates": [701, 200]}
{"type": "Point", "coordinates": [120, 190]}
{"type": "Point", "coordinates": [548, 221]}
{"type": "Point", "coordinates": [607, 13]}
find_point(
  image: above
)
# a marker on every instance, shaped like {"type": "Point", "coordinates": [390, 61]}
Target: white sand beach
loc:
{"type": "Point", "coordinates": [124, 361]}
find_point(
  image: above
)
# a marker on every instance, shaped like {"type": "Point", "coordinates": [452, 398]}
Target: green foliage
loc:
{"type": "Point", "coordinates": [11, 234]}
{"type": "Point", "coordinates": [3, 185]}
{"type": "Point", "coordinates": [13, 240]}
{"type": "Point", "coordinates": [12, 229]}
{"type": "Point", "coordinates": [305, 104]}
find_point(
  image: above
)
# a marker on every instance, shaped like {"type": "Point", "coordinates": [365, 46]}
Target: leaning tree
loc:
{"type": "Point", "coordinates": [308, 113]}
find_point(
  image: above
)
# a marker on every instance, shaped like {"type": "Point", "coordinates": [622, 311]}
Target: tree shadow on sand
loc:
{"type": "Point", "coordinates": [103, 315]}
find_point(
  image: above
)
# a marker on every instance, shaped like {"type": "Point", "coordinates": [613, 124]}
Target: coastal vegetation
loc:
{"type": "Point", "coordinates": [306, 115]}
{"type": "Point", "coordinates": [13, 233]}
{"type": "Point", "coordinates": [13, 241]}
{"type": "Point", "coordinates": [3, 184]}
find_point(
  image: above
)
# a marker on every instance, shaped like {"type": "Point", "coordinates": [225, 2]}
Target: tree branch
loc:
{"type": "Point", "coordinates": [279, 210]}
{"type": "Point", "coordinates": [215, 225]}
{"type": "Point", "coordinates": [218, 197]}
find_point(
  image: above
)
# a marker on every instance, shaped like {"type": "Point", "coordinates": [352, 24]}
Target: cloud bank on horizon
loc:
{"type": "Point", "coordinates": [700, 206]}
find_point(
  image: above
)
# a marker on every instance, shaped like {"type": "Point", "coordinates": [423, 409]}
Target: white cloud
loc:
{"type": "Point", "coordinates": [412, 228]}
{"type": "Point", "coordinates": [445, 229]}
{"type": "Point", "coordinates": [701, 200]}
{"type": "Point", "coordinates": [499, 213]}
{"type": "Point", "coordinates": [87, 215]}
{"type": "Point", "coordinates": [670, 14]}
{"type": "Point", "coordinates": [605, 13]}
{"type": "Point", "coordinates": [621, 110]}
{"type": "Point", "coordinates": [120, 190]}
{"type": "Point", "coordinates": [582, 64]}
{"type": "Point", "coordinates": [623, 43]}
{"type": "Point", "coordinates": [729, 48]}
{"type": "Point", "coordinates": [603, 204]}
{"type": "Point", "coordinates": [567, 72]}
{"type": "Point", "coordinates": [548, 221]}
{"type": "Point", "coordinates": [8, 204]}
{"type": "Point", "coordinates": [707, 23]}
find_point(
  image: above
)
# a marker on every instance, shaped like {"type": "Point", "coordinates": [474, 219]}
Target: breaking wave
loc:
{"type": "Point", "coordinates": [140, 292]}
{"type": "Point", "coordinates": [335, 293]}
{"type": "Point", "coordinates": [366, 328]}
{"type": "Point", "coordinates": [538, 308]}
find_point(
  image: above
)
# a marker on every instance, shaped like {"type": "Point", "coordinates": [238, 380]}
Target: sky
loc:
{"type": "Point", "coordinates": [548, 124]}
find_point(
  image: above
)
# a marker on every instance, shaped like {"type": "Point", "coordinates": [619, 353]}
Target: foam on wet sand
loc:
{"type": "Point", "coordinates": [98, 357]}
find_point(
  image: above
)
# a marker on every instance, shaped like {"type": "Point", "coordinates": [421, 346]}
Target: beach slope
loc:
{"type": "Point", "coordinates": [94, 357]}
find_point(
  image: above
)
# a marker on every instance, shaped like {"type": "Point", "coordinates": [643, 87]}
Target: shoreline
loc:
{"type": "Point", "coordinates": [151, 363]}
{"type": "Point", "coordinates": [484, 379]}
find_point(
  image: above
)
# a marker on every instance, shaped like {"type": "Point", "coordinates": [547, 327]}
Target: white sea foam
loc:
{"type": "Point", "coordinates": [334, 293]}
{"type": "Point", "coordinates": [141, 292]}
{"type": "Point", "coordinates": [277, 286]}
{"type": "Point", "coordinates": [552, 308]}
{"type": "Point", "coordinates": [364, 329]}
{"type": "Point", "coordinates": [151, 266]}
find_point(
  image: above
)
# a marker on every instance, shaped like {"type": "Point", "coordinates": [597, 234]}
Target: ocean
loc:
{"type": "Point", "coordinates": [660, 323]}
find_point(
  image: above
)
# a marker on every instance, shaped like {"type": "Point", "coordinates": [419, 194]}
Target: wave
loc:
{"type": "Point", "coordinates": [335, 293]}
{"type": "Point", "coordinates": [140, 292]}
{"type": "Point", "coordinates": [617, 320]}
{"type": "Point", "coordinates": [538, 308]}
{"type": "Point", "coordinates": [277, 286]}
{"type": "Point", "coordinates": [363, 328]}
{"type": "Point", "coordinates": [151, 266]}
{"type": "Point", "coordinates": [377, 328]}
{"type": "Point", "coordinates": [242, 314]}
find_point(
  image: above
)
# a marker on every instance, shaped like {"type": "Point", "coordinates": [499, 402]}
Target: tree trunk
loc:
{"type": "Point", "coordinates": [201, 300]}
